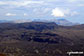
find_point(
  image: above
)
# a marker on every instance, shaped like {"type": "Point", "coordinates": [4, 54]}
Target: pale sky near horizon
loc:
{"type": "Point", "coordinates": [72, 10]}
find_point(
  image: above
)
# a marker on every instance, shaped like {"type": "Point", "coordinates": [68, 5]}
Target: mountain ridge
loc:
{"type": "Point", "coordinates": [62, 22]}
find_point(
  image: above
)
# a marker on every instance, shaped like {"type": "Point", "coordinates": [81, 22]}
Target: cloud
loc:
{"type": "Point", "coordinates": [10, 14]}
{"type": "Point", "coordinates": [74, 13]}
{"type": "Point", "coordinates": [75, 0]}
{"type": "Point", "coordinates": [2, 3]}
{"type": "Point", "coordinates": [72, 0]}
{"type": "Point", "coordinates": [80, 4]}
{"type": "Point", "coordinates": [59, 12]}
{"type": "Point", "coordinates": [25, 14]}
{"type": "Point", "coordinates": [41, 12]}
{"type": "Point", "coordinates": [20, 3]}
{"type": "Point", "coordinates": [22, 21]}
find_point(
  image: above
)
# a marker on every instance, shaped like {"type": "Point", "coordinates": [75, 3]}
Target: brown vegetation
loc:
{"type": "Point", "coordinates": [40, 39]}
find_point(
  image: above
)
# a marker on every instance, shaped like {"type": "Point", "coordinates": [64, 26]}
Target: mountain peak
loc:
{"type": "Point", "coordinates": [62, 19]}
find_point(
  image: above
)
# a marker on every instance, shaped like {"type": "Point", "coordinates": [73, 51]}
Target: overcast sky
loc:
{"type": "Point", "coordinates": [72, 10]}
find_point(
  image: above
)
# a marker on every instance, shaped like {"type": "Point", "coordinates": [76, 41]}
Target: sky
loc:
{"type": "Point", "coordinates": [72, 10]}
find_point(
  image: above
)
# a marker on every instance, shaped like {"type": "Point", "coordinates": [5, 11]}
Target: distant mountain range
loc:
{"type": "Point", "coordinates": [14, 21]}
{"type": "Point", "coordinates": [62, 22]}
{"type": "Point", "coordinates": [5, 21]}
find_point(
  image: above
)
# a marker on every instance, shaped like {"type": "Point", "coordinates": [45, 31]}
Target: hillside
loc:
{"type": "Point", "coordinates": [40, 39]}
